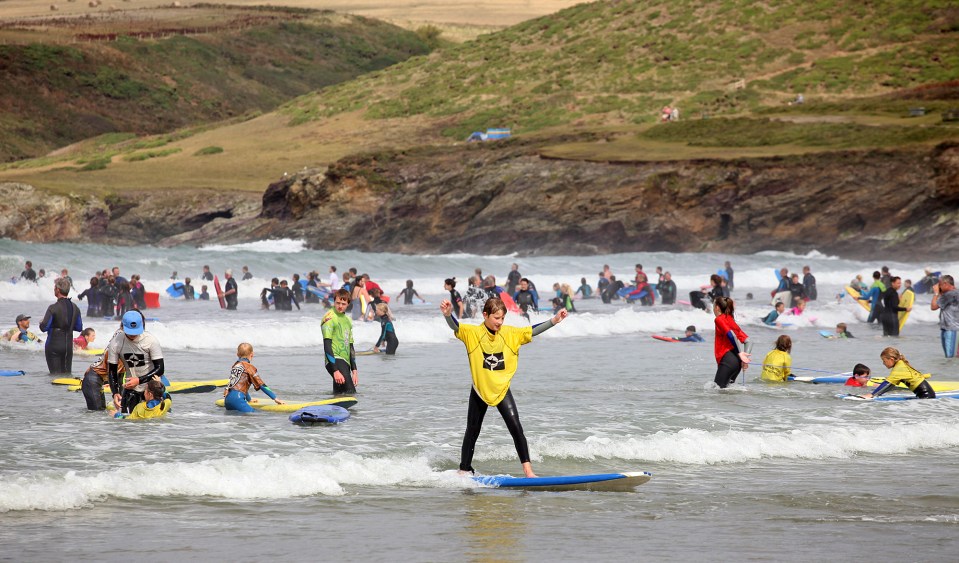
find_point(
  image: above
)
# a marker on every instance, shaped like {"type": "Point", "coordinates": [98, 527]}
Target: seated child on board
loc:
{"type": "Point", "coordinates": [776, 365]}
{"type": "Point", "coordinates": [691, 335]}
{"type": "Point", "coordinates": [860, 376]}
{"type": "Point", "coordinates": [153, 405]}
{"type": "Point", "coordinates": [242, 375]}
{"type": "Point", "coordinates": [204, 294]}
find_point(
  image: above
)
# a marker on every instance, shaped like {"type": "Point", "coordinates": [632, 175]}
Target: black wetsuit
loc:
{"type": "Point", "coordinates": [524, 300]}
{"type": "Point", "coordinates": [93, 301]}
{"type": "Point", "coordinates": [798, 292]}
{"type": "Point", "coordinates": [890, 312]}
{"type": "Point", "coordinates": [297, 292]}
{"type": "Point", "coordinates": [345, 368]}
{"type": "Point", "coordinates": [188, 292]}
{"type": "Point", "coordinates": [698, 298]}
{"type": "Point", "coordinates": [512, 281]}
{"type": "Point", "coordinates": [387, 335]}
{"type": "Point", "coordinates": [474, 423]}
{"type": "Point", "coordinates": [284, 299]}
{"type": "Point", "coordinates": [667, 292]}
{"type": "Point", "coordinates": [809, 284]}
{"type": "Point", "coordinates": [139, 296]}
{"type": "Point", "coordinates": [29, 274]}
{"type": "Point", "coordinates": [108, 295]}
{"type": "Point", "coordinates": [407, 294]}
{"type": "Point", "coordinates": [60, 321]}
{"type": "Point", "coordinates": [231, 298]}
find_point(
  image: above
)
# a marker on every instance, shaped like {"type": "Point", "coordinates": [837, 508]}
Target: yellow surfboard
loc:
{"type": "Point", "coordinates": [907, 298]}
{"type": "Point", "coordinates": [854, 293]}
{"type": "Point", "coordinates": [270, 406]}
{"type": "Point", "coordinates": [937, 386]}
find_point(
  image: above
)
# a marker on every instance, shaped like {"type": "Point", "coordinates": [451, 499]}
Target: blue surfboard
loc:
{"type": "Point", "coordinates": [839, 378]}
{"type": "Point", "coordinates": [11, 372]}
{"type": "Point", "coordinates": [596, 482]}
{"type": "Point", "coordinates": [898, 397]}
{"type": "Point", "coordinates": [316, 414]}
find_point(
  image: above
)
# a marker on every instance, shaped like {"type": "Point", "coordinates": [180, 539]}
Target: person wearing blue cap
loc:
{"type": "Point", "coordinates": [142, 360]}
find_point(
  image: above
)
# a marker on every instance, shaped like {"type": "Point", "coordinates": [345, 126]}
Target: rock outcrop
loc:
{"type": "Point", "coordinates": [503, 198]}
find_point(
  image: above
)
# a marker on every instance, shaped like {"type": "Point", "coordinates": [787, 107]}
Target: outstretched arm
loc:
{"type": "Point", "coordinates": [447, 308]}
{"type": "Point", "coordinates": [543, 327]}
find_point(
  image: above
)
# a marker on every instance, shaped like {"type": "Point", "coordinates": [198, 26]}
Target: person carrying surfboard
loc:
{"type": "Point", "coordinates": [902, 372]}
{"type": "Point", "coordinates": [729, 359]}
{"type": "Point", "coordinates": [236, 396]}
{"type": "Point", "coordinates": [493, 352]}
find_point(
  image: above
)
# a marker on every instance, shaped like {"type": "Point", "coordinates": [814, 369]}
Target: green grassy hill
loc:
{"type": "Point", "coordinates": [619, 62]}
{"type": "Point", "coordinates": [153, 71]}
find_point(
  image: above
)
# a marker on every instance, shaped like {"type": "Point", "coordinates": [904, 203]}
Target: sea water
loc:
{"type": "Point", "coordinates": [758, 471]}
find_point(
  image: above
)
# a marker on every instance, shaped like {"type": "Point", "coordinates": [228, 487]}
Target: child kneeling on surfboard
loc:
{"type": "Point", "coordinates": [242, 376]}
{"type": "Point", "coordinates": [493, 352]}
{"type": "Point", "coordinates": [902, 372]}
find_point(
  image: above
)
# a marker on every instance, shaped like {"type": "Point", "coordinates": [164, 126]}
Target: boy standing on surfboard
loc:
{"type": "Point", "coordinates": [493, 352]}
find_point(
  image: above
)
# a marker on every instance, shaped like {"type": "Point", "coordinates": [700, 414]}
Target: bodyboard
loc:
{"type": "Point", "coordinates": [511, 305]}
{"type": "Point", "coordinates": [665, 338]}
{"type": "Point", "coordinates": [219, 292]}
{"type": "Point", "coordinates": [309, 416]}
{"type": "Point", "coordinates": [855, 294]}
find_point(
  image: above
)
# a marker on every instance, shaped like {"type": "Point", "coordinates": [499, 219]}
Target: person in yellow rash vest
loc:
{"type": "Point", "coordinates": [493, 352]}
{"type": "Point", "coordinates": [902, 372]}
{"type": "Point", "coordinates": [153, 404]}
{"type": "Point", "coordinates": [777, 362]}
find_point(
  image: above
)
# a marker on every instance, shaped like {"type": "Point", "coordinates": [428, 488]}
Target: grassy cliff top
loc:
{"type": "Point", "coordinates": [617, 62]}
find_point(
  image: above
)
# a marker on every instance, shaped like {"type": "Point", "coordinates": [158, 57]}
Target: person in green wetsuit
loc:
{"type": "Point", "coordinates": [338, 345]}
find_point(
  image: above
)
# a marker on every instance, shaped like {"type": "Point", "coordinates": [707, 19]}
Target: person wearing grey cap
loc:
{"type": "Point", "coordinates": [21, 332]}
{"type": "Point", "coordinates": [61, 320]}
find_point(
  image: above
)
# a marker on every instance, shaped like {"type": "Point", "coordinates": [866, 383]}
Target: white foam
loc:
{"type": "Point", "coordinates": [275, 246]}
{"type": "Point", "coordinates": [302, 474]}
{"type": "Point", "coordinates": [708, 447]}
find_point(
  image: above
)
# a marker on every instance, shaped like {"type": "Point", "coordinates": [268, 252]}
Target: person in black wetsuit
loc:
{"type": "Point", "coordinates": [229, 291]}
{"type": "Point", "coordinates": [189, 294]}
{"type": "Point", "coordinates": [513, 279]}
{"type": "Point", "coordinates": [667, 290]}
{"type": "Point", "coordinates": [524, 298]}
{"type": "Point", "coordinates": [890, 308]}
{"type": "Point", "coordinates": [698, 298]}
{"type": "Point", "coordinates": [409, 293]}
{"type": "Point", "coordinates": [93, 298]}
{"type": "Point", "coordinates": [28, 272]}
{"type": "Point", "coordinates": [61, 320]}
{"type": "Point", "coordinates": [297, 288]}
{"type": "Point", "coordinates": [283, 297]}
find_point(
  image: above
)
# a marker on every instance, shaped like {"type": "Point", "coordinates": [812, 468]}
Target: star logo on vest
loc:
{"type": "Point", "coordinates": [494, 362]}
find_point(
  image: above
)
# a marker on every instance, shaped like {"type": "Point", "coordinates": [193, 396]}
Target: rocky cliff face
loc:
{"type": "Point", "coordinates": [503, 198]}
{"type": "Point", "coordinates": [500, 200]}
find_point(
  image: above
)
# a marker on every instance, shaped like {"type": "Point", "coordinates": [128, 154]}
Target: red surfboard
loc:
{"type": "Point", "coordinates": [219, 292]}
{"type": "Point", "coordinates": [511, 305]}
{"type": "Point", "coordinates": [665, 338]}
